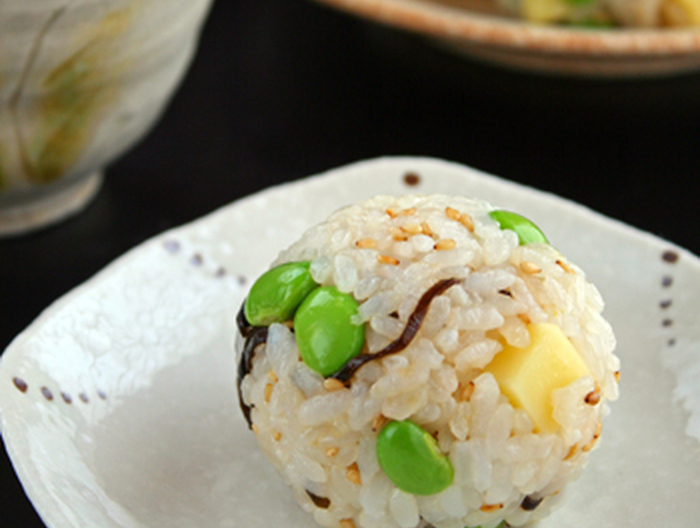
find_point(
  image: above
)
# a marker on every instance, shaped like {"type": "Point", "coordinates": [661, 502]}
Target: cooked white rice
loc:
{"type": "Point", "coordinates": [383, 253]}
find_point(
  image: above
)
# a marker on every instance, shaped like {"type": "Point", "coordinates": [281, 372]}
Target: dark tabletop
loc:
{"type": "Point", "coordinates": [281, 89]}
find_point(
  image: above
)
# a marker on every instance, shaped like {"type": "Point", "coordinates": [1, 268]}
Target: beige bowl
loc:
{"type": "Point", "coordinates": [80, 82]}
{"type": "Point", "coordinates": [475, 28]}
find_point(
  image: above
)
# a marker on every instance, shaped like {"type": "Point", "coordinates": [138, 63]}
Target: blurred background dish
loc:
{"type": "Point", "coordinates": [479, 29]}
{"type": "Point", "coordinates": [80, 84]}
{"type": "Point", "coordinates": [607, 13]}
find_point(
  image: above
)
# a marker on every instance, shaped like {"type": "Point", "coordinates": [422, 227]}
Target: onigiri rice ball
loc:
{"type": "Point", "coordinates": [423, 361]}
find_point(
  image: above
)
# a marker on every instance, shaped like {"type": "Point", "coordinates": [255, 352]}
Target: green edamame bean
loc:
{"type": "Point", "coordinates": [411, 459]}
{"type": "Point", "coordinates": [527, 232]}
{"type": "Point", "coordinates": [277, 293]}
{"type": "Point", "coordinates": [326, 337]}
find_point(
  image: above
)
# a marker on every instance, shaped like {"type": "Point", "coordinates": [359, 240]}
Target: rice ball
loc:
{"type": "Point", "coordinates": [425, 361]}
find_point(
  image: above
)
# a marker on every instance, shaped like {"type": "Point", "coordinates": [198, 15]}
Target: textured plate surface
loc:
{"type": "Point", "coordinates": [476, 28]}
{"type": "Point", "coordinates": [118, 403]}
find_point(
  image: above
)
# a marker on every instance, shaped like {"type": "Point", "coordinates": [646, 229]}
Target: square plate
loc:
{"type": "Point", "coordinates": [118, 404]}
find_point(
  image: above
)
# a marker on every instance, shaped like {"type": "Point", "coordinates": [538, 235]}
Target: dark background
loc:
{"type": "Point", "coordinates": [281, 89]}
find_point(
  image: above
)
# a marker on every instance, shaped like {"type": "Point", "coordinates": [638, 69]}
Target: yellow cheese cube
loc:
{"type": "Point", "coordinates": [528, 376]}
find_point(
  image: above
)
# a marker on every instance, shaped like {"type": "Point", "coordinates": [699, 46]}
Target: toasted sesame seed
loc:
{"type": "Point", "coordinates": [453, 214]}
{"type": "Point", "coordinates": [332, 451]}
{"type": "Point", "coordinates": [598, 430]}
{"type": "Point", "coordinates": [272, 376]}
{"type": "Point", "coordinates": [379, 422]}
{"type": "Point", "coordinates": [426, 229]}
{"type": "Point", "coordinates": [467, 222]}
{"type": "Point", "coordinates": [466, 392]}
{"type": "Point", "coordinates": [391, 212]}
{"type": "Point", "coordinates": [332, 384]}
{"type": "Point", "coordinates": [524, 318]}
{"type": "Point", "coordinates": [254, 428]}
{"type": "Point", "coordinates": [268, 392]}
{"type": "Point", "coordinates": [407, 212]}
{"type": "Point", "coordinates": [592, 398]}
{"type": "Point", "coordinates": [572, 452]}
{"type": "Point", "coordinates": [445, 244]}
{"type": "Point", "coordinates": [347, 523]}
{"type": "Point", "coordinates": [353, 474]}
{"type": "Point", "coordinates": [617, 376]}
{"type": "Point", "coordinates": [398, 235]}
{"type": "Point", "coordinates": [412, 229]}
{"type": "Point", "coordinates": [529, 268]}
{"type": "Point", "coordinates": [486, 508]}
{"type": "Point", "coordinates": [366, 243]}
{"type": "Point", "coordinates": [590, 445]}
{"type": "Point", "coordinates": [385, 259]}
{"type": "Point", "coordinates": [563, 265]}
{"type": "Point", "coordinates": [276, 436]}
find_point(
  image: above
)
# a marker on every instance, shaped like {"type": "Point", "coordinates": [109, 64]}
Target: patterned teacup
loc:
{"type": "Point", "coordinates": [80, 82]}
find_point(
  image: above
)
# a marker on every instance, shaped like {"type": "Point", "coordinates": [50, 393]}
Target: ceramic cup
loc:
{"type": "Point", "coordinates": [80, 82]}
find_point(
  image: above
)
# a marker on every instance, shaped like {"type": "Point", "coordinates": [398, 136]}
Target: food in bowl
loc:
{"type": "Point", "coordinates": [640, 13]}
{"type": "Point", "coordinates": [425, 361]}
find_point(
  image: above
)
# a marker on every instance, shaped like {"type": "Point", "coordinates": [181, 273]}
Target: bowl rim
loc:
{"type": "Point", "coordinates": [460, 24]}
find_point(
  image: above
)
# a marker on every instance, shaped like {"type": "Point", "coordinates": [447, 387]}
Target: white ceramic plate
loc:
{"type": "Point", "coordinates": [477, 28]}
{"type": "Point", "coordinates": [119, 407]}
